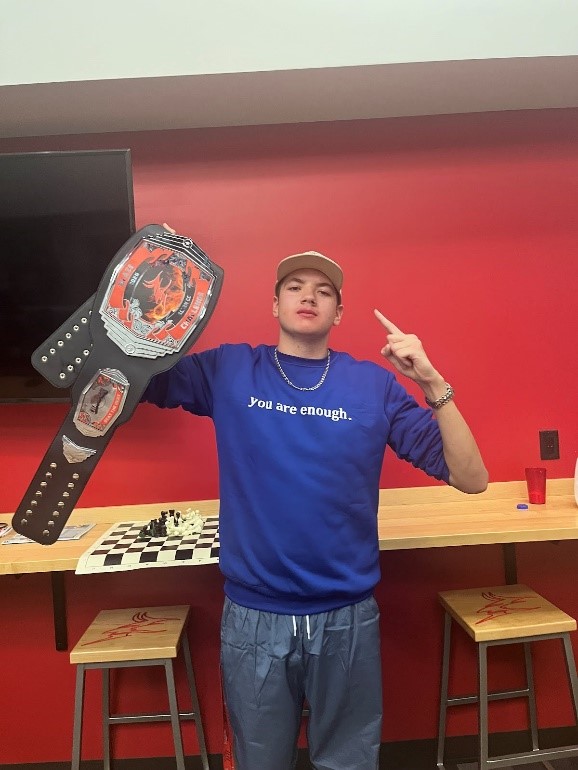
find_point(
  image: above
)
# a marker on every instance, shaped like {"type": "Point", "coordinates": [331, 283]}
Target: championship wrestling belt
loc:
{"type": "Point", "coordinates": [154, 300]}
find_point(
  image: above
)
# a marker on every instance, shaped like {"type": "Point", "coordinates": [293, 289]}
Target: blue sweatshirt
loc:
{"type": "Point", "coordinates": [299, 470]}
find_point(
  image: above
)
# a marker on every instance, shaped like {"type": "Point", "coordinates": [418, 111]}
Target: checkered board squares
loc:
{"type": "Point", "coordinates": [120, 549]}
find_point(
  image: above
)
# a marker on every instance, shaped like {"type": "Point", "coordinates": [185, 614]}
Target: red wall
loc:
{"type": "Point", "coordinates": [462, 229]}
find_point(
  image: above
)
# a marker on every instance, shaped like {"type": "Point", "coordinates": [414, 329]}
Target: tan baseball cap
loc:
{"type": "Point", "coordinates": [312, 260]}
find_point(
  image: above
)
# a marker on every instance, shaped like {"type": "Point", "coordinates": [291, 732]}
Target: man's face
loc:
{"type": "Point", "coordinates": [307, 304]}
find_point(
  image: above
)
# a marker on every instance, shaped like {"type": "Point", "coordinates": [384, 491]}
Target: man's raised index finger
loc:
{"type": "Point", "coordinates": [387, 324]}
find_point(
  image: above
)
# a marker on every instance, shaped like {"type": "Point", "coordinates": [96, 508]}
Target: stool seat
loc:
{"type": "Point", "coordinates": [142, 633]}
{"type": "Point", "coordinates": [505, 612]}
{"type": "Point", "coordinates": [131, 638]}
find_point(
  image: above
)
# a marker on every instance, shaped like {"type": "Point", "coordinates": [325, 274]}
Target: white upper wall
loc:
{"type": "Point", "coordinates": [52, 41]}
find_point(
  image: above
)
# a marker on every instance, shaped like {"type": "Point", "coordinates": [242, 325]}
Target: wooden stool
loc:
{"type": "Point", "coordinates": [504, 615]}
{"type": "Point", "coordinates": [148, 636]}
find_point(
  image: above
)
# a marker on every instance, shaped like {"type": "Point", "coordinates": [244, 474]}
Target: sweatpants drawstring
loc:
{"type": "Point", "coordinates": [307, 624]}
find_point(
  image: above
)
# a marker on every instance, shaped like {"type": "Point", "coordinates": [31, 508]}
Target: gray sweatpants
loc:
{"type": "Point", "coordinates": [271, 663]}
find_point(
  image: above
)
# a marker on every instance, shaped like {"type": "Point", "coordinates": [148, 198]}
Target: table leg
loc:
{"type": "Point", "coordinates": [59, 610]}
{"type": "Point", "coordinates": [510, 567]}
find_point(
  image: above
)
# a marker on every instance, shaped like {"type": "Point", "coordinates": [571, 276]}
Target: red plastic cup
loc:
{"type": "Point", "coordinates": [536, 482]}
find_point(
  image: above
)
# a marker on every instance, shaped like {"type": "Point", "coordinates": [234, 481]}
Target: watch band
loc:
{"type": "Point", "coordinates": [153, 302]}
{"type": "Point", "coordinates": [443, 400]}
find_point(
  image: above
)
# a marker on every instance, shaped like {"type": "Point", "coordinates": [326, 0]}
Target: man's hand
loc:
{"type": "Point", "coordinates": [407, 355]}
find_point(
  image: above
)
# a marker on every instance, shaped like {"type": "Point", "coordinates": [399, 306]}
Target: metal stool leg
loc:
{"type": "Point", "coordinates": [483, 705]}
{"type": "Point", "coordinates": [106, 718]}
{"type": "Point", "coordinates": [78, 709]}
{"type": "Point", "coordinates": [571, 671]}
{"type": "Point", "coordinates": [175, 721]}
{"type": "Point", "coordinates": [531, 695]}
{"type": "Point", "coordinates": [195, 702]}
{"type": "Point", "coordinates": [444, 690]}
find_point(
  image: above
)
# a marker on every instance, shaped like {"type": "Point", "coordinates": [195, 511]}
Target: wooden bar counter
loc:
{"type": "Point", "coordinates": [417, 517]}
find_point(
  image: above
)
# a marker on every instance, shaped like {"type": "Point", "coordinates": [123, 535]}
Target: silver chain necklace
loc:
{"type": "Point", "coordinates": [288, 381]}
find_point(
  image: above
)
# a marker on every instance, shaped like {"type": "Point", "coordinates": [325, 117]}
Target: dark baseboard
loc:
{"type": "Point", "coordinates": [400, 755]}
{"type": "Point", "coordinates": [152, 763]}
{"type": "Point", "coordinates": [463, 749]}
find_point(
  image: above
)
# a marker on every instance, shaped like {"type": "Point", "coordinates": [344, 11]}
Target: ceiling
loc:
{"type": "Point", "coordinates": [289, 96]}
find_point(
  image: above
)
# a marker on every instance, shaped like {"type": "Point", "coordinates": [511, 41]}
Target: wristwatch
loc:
{"type": "Point", "coordinates": [153, 302]}
{"type": "Point", "coordinates": [442, 400]}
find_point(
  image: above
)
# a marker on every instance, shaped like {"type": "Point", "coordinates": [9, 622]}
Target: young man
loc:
{"type": "Point", "coordinates": [301, 433]}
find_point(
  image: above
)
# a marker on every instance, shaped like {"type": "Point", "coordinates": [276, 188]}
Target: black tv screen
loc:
{"type": "Point", "coordinates": [63, 216]}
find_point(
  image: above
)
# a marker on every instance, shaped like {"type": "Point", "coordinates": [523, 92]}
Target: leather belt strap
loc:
{"type": "Point", "coordinates": [152, 304]}
{"type": "Point", "coordinates": [60, 357]}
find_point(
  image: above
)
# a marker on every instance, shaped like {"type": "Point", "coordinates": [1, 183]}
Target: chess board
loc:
{"type": "Point", "coordinates": [120, 549]}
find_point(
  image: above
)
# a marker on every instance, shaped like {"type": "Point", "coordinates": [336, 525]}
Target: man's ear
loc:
{"type": "Point", "coordinates": [275, 307]}
{"type": "Point", "coordinates": [338, 315]}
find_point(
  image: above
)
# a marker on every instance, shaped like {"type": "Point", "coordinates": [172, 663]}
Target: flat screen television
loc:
{"type": "Point", "coordinates": [63, 216]}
